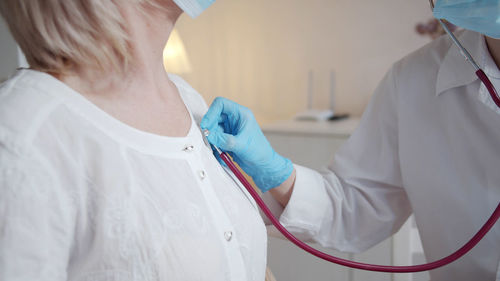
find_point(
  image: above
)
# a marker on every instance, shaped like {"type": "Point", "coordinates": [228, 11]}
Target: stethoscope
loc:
{"type": "Point", "coordinates": [364, 266]}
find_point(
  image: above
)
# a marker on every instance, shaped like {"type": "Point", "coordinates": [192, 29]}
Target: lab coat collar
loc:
{"type": "Point", "coordinates": [455, 71]}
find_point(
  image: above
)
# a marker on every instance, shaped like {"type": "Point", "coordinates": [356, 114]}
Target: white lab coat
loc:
{"type": "Point", "coordinates": [428, 143]}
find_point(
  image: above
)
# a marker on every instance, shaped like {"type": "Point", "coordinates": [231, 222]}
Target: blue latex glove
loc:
{"type": "Point", "coordinates": [233, 129]}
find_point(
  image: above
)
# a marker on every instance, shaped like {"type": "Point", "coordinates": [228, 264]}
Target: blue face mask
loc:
{"type": "Point", "coordinates": [482, 16]}
{"type": "Point", "coordinates": [194, 7]}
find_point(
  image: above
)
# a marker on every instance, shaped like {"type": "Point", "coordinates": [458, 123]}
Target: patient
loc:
{"type": "Point", "coordinates": [103, 171]}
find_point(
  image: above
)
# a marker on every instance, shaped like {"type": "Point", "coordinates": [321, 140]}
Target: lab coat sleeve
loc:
{"type": "Point", "coordinates": [358, 200]}
{"type": "Point", "coordinates": [35, 215]}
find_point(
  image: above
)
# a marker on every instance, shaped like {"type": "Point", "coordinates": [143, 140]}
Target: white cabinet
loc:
{"type": "Point", "coordinates": [308, 143]}
{"type": "Point", "coordinates": [313, 144]}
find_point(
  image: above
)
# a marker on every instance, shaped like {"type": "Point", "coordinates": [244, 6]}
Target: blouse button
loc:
{"type": "Point", "coordinates": [188, 148]}
{"type": "Point", "coordinates": [203, 174]}
{"type": "Point", "coordinates": [228, 235]}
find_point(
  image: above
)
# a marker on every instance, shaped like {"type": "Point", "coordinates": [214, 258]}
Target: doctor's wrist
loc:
{"type": "Point", "coordinates": [283, 192]}
{"type": "Point", "coordinates": [273, 173]}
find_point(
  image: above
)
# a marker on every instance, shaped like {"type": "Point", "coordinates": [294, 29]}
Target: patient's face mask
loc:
{"type": "Point", "coordinates": [482, 16]}
{"type": "Point", "coordinates": [193, 7]}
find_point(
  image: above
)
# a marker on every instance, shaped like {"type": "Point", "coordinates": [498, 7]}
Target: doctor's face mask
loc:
{"type": "Point", "coordinates": [482, 16]}
{"type": "Point", "coordinates": [193, 7]}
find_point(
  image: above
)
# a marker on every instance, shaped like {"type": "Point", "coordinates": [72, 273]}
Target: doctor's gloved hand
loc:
{"type": "Point", "coordinates": [233, 129]}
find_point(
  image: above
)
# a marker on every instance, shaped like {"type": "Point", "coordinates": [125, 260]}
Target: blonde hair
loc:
{"type": "Point", "coordinates": [60, 35]}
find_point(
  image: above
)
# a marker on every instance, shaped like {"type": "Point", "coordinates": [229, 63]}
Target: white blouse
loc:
{"type": "Point", "coordinates": [85, 197]}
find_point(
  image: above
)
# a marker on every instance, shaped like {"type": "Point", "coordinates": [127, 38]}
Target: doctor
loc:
{"type": "Point", "coordinates": [428, 144]}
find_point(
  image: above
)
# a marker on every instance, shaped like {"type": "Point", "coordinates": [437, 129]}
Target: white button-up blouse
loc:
{"type": "Point", "coordinates": [85, 197]}
{"type": "Point", "coordinates": [428, 143]}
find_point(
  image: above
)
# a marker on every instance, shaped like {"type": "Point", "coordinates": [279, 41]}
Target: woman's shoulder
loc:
{"type": "Point", "coordinates": [24, 106]}
{"type": "Point", "coordinates": [35, 118]}
{"type": "Point", "coordinates": [23, 111]}
{"type": "Point", "coordinates": [194, 101]}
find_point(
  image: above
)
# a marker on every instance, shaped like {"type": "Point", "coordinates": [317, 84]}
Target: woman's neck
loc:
{"type": "Point", "coordinates": [144, 97]}
{"type": "Point", "coordinates": [148, 33]}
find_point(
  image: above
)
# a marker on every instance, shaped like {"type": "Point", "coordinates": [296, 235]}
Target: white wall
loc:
{"type": "Point", "coordinates": [259, 52]}
{"type": "Point", "coordinates": [8, 52]}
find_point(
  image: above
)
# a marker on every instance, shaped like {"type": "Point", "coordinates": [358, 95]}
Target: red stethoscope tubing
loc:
{"type": "Point", "coordinates": [371, 267]}
{"type": "Point", "coordinates": [487, 83]}
{"type": "Point", "coordinates": [364, 266]}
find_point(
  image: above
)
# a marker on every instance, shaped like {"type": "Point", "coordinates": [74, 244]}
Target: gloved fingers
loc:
{"type": "Point", "coordinates": [225, 123]}
{"type": "Point", "coordinates": [214, 131]}
{"type": "Point", "coordinates": [218, 107]}
{"type": "Point", "coordinates": [223, 141]}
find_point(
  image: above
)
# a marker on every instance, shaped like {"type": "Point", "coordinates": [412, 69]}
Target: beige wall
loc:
{"type": "Point", "coordinates": [259, 52]}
